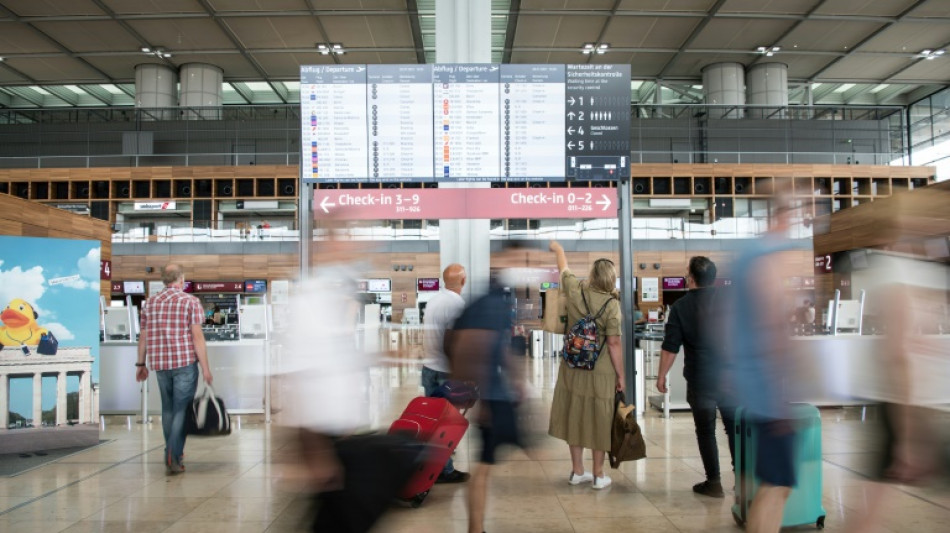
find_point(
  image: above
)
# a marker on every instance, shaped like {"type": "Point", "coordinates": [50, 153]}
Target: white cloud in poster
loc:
{"type": "Point", "coordinates": [89, 267]}
{"type": "Point", "coordinates": [27, 284]}
{"type": "Point", "coordinates": [60, 331]}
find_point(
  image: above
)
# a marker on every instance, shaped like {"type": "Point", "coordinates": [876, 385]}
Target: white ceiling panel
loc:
{"type": "Point", "coordinates": [393, 31]}
{"type": "Point", "coordinates": [857, 68]}
{"type": "Point", "coordinates": [182, 34]}
{"type": "Point", "coordinates": [122, 68]}
{"type": "Point", "coordinates": [883, 8]}
{"type": "Point", "coordinates": [275, 32]}
{"type": "Point", "coordinates": [56, 69]}
{"type": "Point", "coordinates": [927, 70]}
{"type": "Point", "coordinates": [829, 35]}
{"type": "Point", "coordinates": [536, 31]}
{"type": "Point", "coordinates": [31, 8]}
{"type": "Point", "coordinates": [259, 5]}
{"type": "Point", "coordinates": [577, 30]}
{"type": "Point", "coordinates": [736, 34]}
{"type": "Point", "coordinates": [139, 7]}
{"type": "Point", "coordinates": [782, 7]}
{"type": "Point", "coordinates": [360, 4]}
{"type": "Point", "coordinates": [675, 6]}
{"type": "Point", "coordinates": [910, 38]}
{"type": "Point", "coordinates": [18, 38]}
{"type": "Point", "coordinates": [647, 65]}
{"type": "Point", "coordinates": [357, 32]}
{"type": "Point", "coordinates": [234, 65]}
{"type": "Point", "coordinates": [691, 65]}
{"type": "Point", "coordinates": [92, 36]}
{"type": "Point", "coordinates": [357, 58]}
{"type": "Point", "coordinates": [646, 32]}
{"type": "Point", "coordinates": [933, 8]}
{"type": "Point", "coordinates": [802, 67]}
{"type": "Point", "coordinates": [575, 5]}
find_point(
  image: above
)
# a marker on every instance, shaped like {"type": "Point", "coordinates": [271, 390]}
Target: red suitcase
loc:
{"type": "Point", "coordinates": [437, 423]}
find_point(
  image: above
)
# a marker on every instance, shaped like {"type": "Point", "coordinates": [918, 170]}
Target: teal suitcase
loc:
{"type": "Point", "coordinates": [804, 503]}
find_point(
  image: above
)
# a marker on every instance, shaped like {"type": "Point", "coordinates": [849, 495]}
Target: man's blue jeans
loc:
{"type": "Point", "coordinates": [177, 387]}
{"type": "Point", "coordinates": [431, 381]}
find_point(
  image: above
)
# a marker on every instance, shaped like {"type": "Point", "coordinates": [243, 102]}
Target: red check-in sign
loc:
{"type": "Point", "coordinates": [382, 204]}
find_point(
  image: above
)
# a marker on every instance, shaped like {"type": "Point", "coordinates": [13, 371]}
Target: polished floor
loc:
{"type": "Point", "coordinates": [239, 483]}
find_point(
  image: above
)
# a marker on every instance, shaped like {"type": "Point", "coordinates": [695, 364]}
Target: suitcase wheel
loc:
{"type": "Point", "coordinates": [820, 523]}
{"type": "Point", "coordinates": [417, 500]}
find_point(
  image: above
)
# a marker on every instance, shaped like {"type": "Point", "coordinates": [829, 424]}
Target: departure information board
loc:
{"type": "Point", "coordinates": [464, 122]}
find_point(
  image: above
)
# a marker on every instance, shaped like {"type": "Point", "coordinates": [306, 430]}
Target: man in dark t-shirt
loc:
{"type": "Point", "coordinates": [687, 326]}
{"type": "Point", "coordinates": [479, 344]}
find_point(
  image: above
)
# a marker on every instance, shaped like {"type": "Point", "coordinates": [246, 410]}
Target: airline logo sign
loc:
{"type": "Point", "coordinates": [384, 204]}
{"type": "Point", "coordinates": [154, 206]}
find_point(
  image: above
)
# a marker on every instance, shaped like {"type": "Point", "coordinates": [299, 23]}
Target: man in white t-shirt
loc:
{"type": "Point", "coordinates": [441, 312]}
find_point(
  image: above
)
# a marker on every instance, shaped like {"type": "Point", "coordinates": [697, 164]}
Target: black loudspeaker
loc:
{"type": "Point", "coordinates": [124, 192]}
{"type": "Point", "coordinates": [245, 187]}
{"type": "Point", "coordinates": [99, 210]}
{"type": "Point", "coordinates": [739, 188]}
{"type": "Point", "coordinates": [224, 188]}
{"type": "Point", "coordinates": [722, 186]}
{"type": "Point", "coordinates": [287, 189]}
{"type": "Point", "coordinates": [203, 188]}
{"type": "Point", "coordinates": [101, 189]}
{"type": "Point", "coordinates": [23, 190]}
{"type": "Point", "coordinates": [641, 185]}
{"type": "Point", "coordinates": [183, 188]}
{"type": "Point", "coordinates": [699, 188]}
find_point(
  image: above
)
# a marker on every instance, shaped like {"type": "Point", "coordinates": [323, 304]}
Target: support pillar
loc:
{"type": "Point", "coordinates": [4, 402]}
{"type": "Point", "coordinates": [85, 398]}
{"type": "Point", "coordinates": [463, 35]}
{"type": "Point", "coordinates": [61, 398]}
{"type": "Point", "coordinates": [37, 400]}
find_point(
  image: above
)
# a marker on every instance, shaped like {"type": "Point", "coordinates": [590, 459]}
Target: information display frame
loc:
{"type": "Point", "coordinates": [480, 122]}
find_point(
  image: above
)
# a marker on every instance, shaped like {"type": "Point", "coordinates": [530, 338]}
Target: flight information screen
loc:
{"type": "Point", "coordinates": [464, 122]}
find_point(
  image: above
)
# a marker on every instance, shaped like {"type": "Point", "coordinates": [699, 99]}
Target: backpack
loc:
{"type": "Point", "coordinates": [581, 348]}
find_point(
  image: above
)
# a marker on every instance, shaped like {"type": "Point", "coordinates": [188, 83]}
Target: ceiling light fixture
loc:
{"type": "Point", "coordinates": [931, 54]}
{"type": "Point", "coordinates": [768, 51]}
{"type": "Point", "coordinates": [592, 48]}
{"type": "Point", "coordinates": [331, 48]}
{"type": "Point", "coordinates": [157, 51]}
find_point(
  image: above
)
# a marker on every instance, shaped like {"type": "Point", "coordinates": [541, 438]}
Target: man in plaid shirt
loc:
{"type": "Point", "coordinates": [171, 336]}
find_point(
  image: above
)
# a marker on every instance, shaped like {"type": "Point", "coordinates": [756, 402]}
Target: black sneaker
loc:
{"type": "Point", "coordinates": [455, 476]}
{"type": "Point", "coordinates": [709, 488]}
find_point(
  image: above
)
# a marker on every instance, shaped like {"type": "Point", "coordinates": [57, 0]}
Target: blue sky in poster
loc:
{"type": "Point", "coordinates": [69, 307]}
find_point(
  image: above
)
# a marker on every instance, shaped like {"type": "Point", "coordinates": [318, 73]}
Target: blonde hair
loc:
{"type": "Point", "coordinates": [603, 276]}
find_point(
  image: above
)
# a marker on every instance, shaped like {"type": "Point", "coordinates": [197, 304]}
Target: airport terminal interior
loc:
{"type": "Point", "coordinates": [251, 141]}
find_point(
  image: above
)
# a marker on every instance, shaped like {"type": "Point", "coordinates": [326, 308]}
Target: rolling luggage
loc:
{"type": "Point", "coordinates": [437, 423]}
{"type": "Point", "coordinates": [804, 503]}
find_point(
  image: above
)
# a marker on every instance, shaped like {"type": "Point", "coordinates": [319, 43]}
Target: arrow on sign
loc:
{"type": "Point", "coordinates": [605, 202]}
{"type": "Point", "coordinates": [570, 130]}
{"type": "Point", "coordinates": [570, 145]}
{"type": "Point", "coordinates": [324, 205]}
{"type": "Point", "coordinates": [571, 100]}
{"type": "Point", "coordinates": [570, 115]}
{"type": "Point", "coordinates": [493, 69]}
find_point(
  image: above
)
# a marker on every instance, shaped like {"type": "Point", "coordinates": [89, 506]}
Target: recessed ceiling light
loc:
{"type": "Point", "coordinates": [931, 54]}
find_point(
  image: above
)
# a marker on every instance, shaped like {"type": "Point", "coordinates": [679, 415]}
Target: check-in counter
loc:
{"type": "Point", "coordinates": [238, 367]}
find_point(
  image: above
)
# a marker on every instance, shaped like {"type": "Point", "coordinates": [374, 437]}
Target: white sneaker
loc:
{"type": "Point", "coordinates": [575, 479]}
{"type": "Point", "coordinates": [602, 482]}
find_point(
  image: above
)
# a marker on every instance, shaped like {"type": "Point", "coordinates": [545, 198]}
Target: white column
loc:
{"type": "Point", "coordinates": [85, 397]}
{"type": "Point", "coordinates": [767, 84]}
{"type": "Point", "coordinates": [155, 86]}
{"type": "Point", "coordinates": [201, 87]}
{"type": "Point", "coordinates": [463, 35]}
{"type": "Point", "coordinates": [724, 84]}
{"type": "Point", "coordinates": [61, 398]}
{"type": "Point", "coordinates": [4, 402]}
{"type": "Point", "coordinates": [37, 399]}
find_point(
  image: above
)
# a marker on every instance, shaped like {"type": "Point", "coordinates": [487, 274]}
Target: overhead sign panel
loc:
{"type": "Point", "coordinates": [384, 204]}
{"type": "Point", "coordinates": [464, 122]}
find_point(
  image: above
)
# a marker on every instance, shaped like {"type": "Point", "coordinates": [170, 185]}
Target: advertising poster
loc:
{"type": "Point", "coordinates": [49, 370]}
{"type": "Point", "coordinates": [651, 290]}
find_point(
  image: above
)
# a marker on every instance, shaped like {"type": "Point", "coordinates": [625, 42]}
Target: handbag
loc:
{"type": "Point", "coordinates": [555, 311]}
{"type": "Point", "coordinates": [626, 439]}
{"type": "Point", "coordinates": [48, 344]}
{"type": "Point", "coordinates": [207, 416]}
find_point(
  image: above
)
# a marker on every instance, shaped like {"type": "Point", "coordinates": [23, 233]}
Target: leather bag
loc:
{"type": "Point", "coordinates": [555, 312]}
{"type": "Point", "coordinates": [626, 439]}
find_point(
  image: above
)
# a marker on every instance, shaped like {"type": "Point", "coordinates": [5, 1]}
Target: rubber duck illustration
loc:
{"type": "Point", "coordinates": [19, 325]}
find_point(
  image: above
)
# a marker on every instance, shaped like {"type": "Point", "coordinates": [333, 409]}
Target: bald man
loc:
{"type": "Point", "coordinates": [174, 345]}
{"type": "Point", "coordinates": [441, 312]}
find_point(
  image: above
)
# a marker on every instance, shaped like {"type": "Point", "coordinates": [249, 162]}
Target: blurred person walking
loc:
{"type": "Point", "coordinates": [688, 326]}
{"type": "Point", "coordinates": [174, 345]}
{"type": "Point", "coordinates": [479, 345]}
{"type": "Point", "coordinates": [756, 337]}
{"type": "Point", "coordinates": [441, 312]}
{"type": "Point", "coordinates": [324, 383]}
{"type": "Point", "coordinates": [583, 407]}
